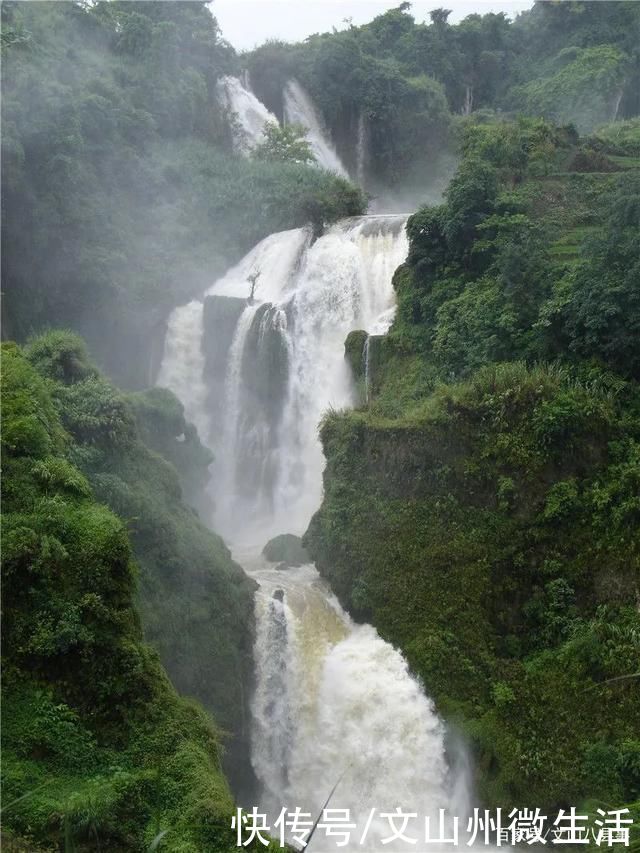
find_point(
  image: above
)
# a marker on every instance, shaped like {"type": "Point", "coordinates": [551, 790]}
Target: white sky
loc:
{"type": "Point", "coordinates": [247, 23]}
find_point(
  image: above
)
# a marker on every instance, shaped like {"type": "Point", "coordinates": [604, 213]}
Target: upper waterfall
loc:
{"type": "Point", "coordinates": [250, 117]}
{"type": "Point", "coordinates": [258, 399]}
{"type": "Point", "coordinates": [299, 109]}
{"type": "Point", "coordinates": [251, 114]}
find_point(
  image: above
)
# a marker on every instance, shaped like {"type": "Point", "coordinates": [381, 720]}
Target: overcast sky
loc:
{"type": "Point", "coordinates": [246, 23]}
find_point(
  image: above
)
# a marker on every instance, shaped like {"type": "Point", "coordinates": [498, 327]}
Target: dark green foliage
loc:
{"type": "Point", "coordinates": [603, 309]}
{"type": "Point", "coordinates": [483, 509]}
{"type": "Point", "coordinates": [286, 549]}
{"type": "Point", "coordinates": [502, 269]}
{"type": "Point", "coordinates": [571, 62]}
{"type": "Point", "coordinates": [354, 352]}
{"type": "Point", "coordinates": [585, 87]}
{"type": "Point", "coordinates": [162, 427]}
{"type": "Point", "coordinates": [355, 76]}
{"type": "Point", "coordinates": [196, 603]}
{"type": "Point", "coordinates": [99, 752]}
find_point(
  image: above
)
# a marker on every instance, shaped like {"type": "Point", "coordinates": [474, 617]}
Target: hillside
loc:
{"type": "Point", "coordinates": [99, 752]}
{"type": "Point", "coordinates": [122, 193]}
{"type": "Point", "coordinates": [482, 508]}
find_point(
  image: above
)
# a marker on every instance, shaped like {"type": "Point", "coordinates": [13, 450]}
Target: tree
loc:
{"type": "Point", "coordinates": [603, 314]}
{"type": "Point", "coordinates": [286, 144]}
{"type": "Point", "coordinates": [439, 16]}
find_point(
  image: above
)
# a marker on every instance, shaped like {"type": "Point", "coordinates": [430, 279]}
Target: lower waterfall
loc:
{"type": "Point", "coordinates": [335, 703]}
{"type": "Point", "coordinates": [256, 362]}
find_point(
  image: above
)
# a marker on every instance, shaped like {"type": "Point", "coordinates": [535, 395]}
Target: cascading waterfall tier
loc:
{"type": "Point", "coordinates": [335, 703]}
{"type": "Point", "coordinates": [283, 366]}
{"type": "Point", "coordinates": [249, 117]}
{"type": "Point", "coordinates": [250, 114]}
{"type": "Point", "coordinates": [299, 109]}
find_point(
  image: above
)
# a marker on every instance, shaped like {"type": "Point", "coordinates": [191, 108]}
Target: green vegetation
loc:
{"type": "Point", "coordinates": [482, 510]}
{"type": "Point", "coordinates": [196, 604]}
{"type": "Point", "coordinates": [570, 62]}
{"type": "Point", "coordinates": [98, 750]}
{"type": "Point", "coordinates": [284, 144]}
{"type": "Point", "coordinates": [286, 549]}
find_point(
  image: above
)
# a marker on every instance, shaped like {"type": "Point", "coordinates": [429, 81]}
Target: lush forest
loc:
{"type": "Point", "coordinates": [481, 505]}
{"type": "Point", "coordinates": [118, 171]}
{"type": "Point", "coordinates": [99, 751]}
{"type": "Point", "coordinates": [408, 82]}
{"type": "Point", "coordinates": [497, 461]}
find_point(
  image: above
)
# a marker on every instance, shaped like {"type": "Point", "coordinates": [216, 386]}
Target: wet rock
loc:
{"type": "Point", "coordinates": [287, 550]}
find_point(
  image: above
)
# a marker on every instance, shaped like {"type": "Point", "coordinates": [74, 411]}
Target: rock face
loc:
{"type": "Point", "coordinates": [221, 314]}
{"type": "Point", "coordinates": [354, 352]}
{"type": "Point", "coordinates": [220, 318]}
{"type": "Point", "coordinates": [287, 550]}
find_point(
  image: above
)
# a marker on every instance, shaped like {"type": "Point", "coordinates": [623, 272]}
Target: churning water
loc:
{"type": "Point", "coordinates": [335, 703]}
{"type": "Point", "coordinates": [258, 400]}
{"type": "Point", "coordinates": [257, 361]}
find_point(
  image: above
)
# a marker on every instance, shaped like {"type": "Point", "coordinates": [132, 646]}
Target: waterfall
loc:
{"type": "Point", "coordinates": [284, 366]}
{"type": "Point", "coordinates": [361, 150]}
{"type": "Point", "coordinates": [182, 366]}
{"type": "Point", "coordinates": [249, 114]}
{"type": "Point", "coordinates": [299, 109]}
{"type": "Point", "coordinates": [332, 700]}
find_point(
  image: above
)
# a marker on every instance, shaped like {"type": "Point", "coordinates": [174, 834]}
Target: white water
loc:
{"type": "Point", "coordinates": [268, 473]}
{"type": "Point", "coordinates": [250, 114]}
{"type": "Point", "coordinates": [299, 109]}
{"type": "Point", "coordinates": [333, 701]}
{"type": "Point", "coordinates": [182, 368]}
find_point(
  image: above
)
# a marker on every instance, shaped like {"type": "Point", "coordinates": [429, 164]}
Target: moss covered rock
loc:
{"type": "Point", "coordinates": [287, 550]}
{"type": "Point", "coordinates": [354, 352]}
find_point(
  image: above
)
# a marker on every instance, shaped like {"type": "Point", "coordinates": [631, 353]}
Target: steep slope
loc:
{"type": "Point", "coordinates": [481, 510]}
{"type": "Point", "coordinates": [99, 751]}
{"type": "Point", "coordinates": [196, 603]}
{"type": "Point", "coordinates": [121, 192]}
